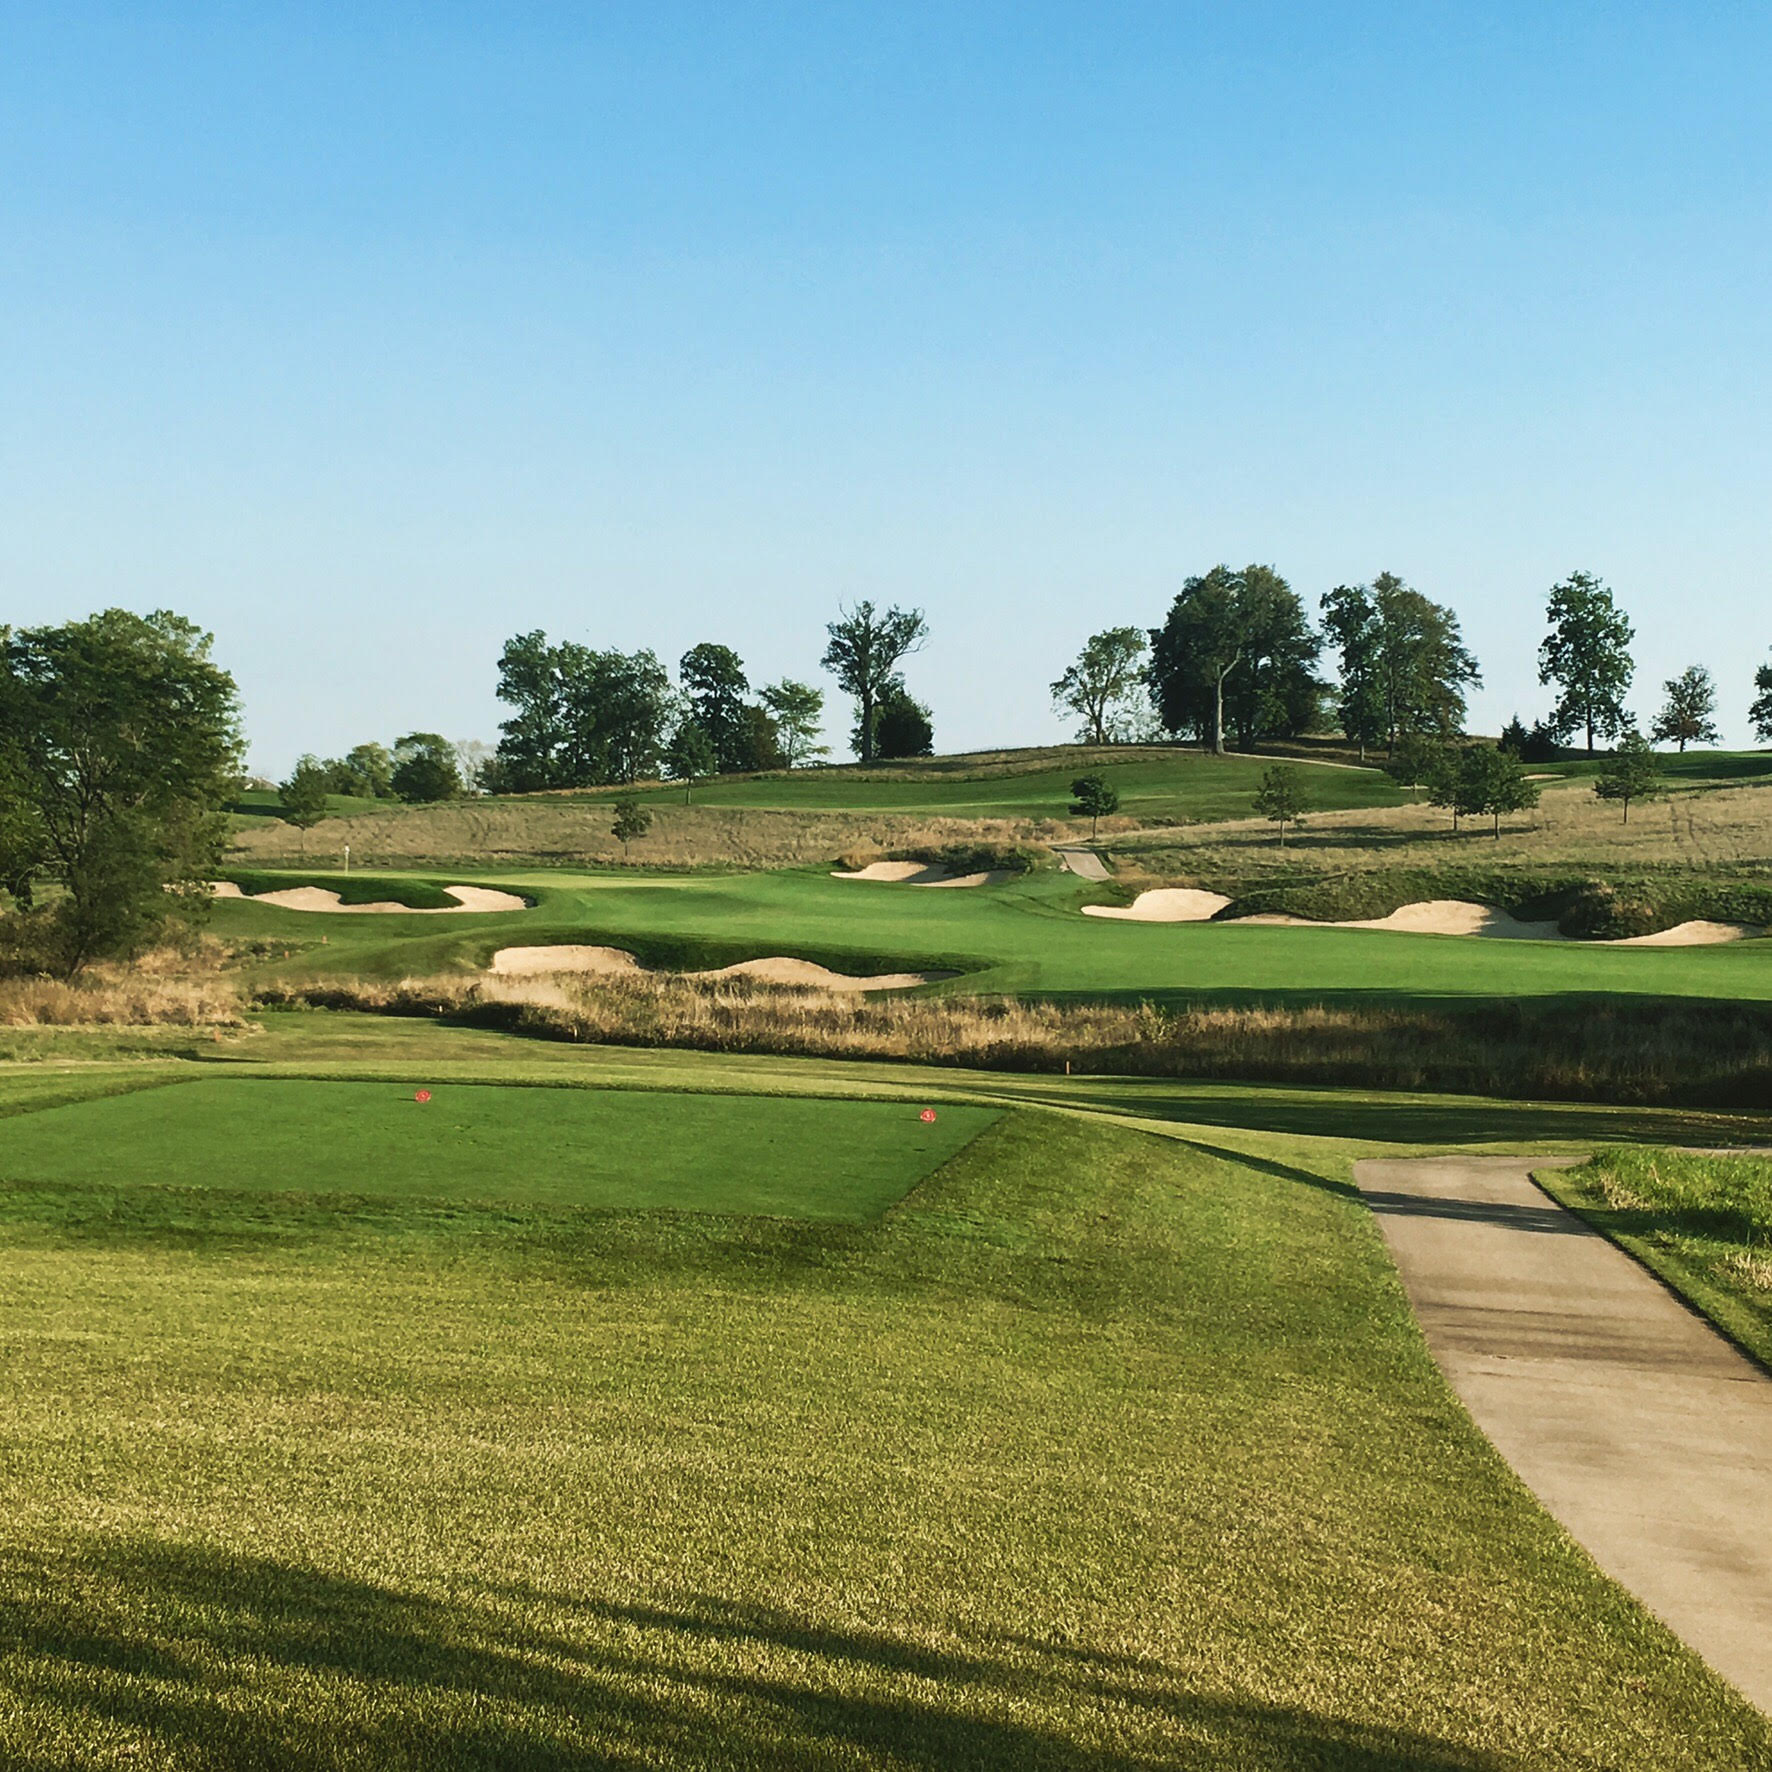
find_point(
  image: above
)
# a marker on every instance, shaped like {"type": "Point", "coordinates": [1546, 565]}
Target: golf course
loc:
{"type": "Point", "coordinates": [777, 1404]}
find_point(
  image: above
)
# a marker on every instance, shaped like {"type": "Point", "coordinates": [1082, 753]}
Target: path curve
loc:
{"type": "Point", "coordinates": [1644, 1432]}
{"type": "Point", "coordinates": [1086, 864]}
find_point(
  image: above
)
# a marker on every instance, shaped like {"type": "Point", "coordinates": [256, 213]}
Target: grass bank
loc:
{"type": "Point", "coordinates": [1100, 1451]}
{"type": "Point", "coordinates": [1703, 1223]}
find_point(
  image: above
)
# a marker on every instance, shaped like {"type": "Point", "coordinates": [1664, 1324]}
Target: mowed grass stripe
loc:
{"type": "Point", "coordinates": [626, 1150]}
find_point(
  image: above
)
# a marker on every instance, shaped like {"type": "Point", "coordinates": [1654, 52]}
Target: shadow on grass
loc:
{"type": "Point", "coordinates": [219, 1660]}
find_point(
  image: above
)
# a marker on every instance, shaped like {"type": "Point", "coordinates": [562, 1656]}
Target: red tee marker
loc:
{"type": "Point", "coordinates": [927, 1116]}
{"type": "Point", "coordinates": [422, 1095]}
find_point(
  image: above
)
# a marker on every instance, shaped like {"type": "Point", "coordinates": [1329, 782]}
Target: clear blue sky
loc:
{"type": "Point", "coordinates": [368, 335]}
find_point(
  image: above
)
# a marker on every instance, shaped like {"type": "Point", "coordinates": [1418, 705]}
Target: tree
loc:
{"type": "Point", "coordinates": [1761, 711]}
{"type": "Point", "coordinates": [1629, 773]}
{"type": "Point", "coordinates": [715, 686]}
{"type": "Point", "coordinates": [690, 756]}
{"type": "Point", "coordinates": [902, 725]}
{"type": "Point", "coordinates": [473, 760]}
{"type": "Point", "coordinates": [1410, 667]}
{"type": "Point", "coordinates": [1235, 653]}
{"type": "Point", "coordinates": [532, 742]}
{"type": "Point", "coordinates": [1093, 797]}
{"type": "Point", "coordinates": [1350, 622]}
{"type": "Point", "coordinates": [1419, 758]}
{"type": "Point", "coordinates": [120, 738]}
{"type": "Point", "coordinates": [798, 710]}
{"type": "Point", "coordinates": [1100, 686]}
{"type": "Point", "coordinates": [1277, 693]}
{"type": "Point", "coordinates": [1514, 737]}
{"type": "Point", "coordinates": [1685, 716]}
{"type": "Point", "coordinates": [1587, 655]}
{"type": "Point", "coordinates": [303, 795]}
{"type": "Point", "coordinates": [1280, 798]}
{"type": "Point", "coordinates": [1491, 782]}
{"type": "Point", "coordinates": [24, 845]}
{"type": "Point", "coordinates": [365, 771]}
{"type": "Point", "coordinates": [631, 820]}
{"type": "Point", "coordinates": [863, 655]}
{"type": "Point", "coordinates": [582, 718]}
{"type": "Point", "coordinates": [425, 768]}
{"type": "Point", "coordinates": [759, 740]}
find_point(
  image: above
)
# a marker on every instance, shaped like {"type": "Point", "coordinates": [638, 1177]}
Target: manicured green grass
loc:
{"type": "Point", "coordinates": [1701, 1222]}
{"type": "Point", "coordinates": [1023, 936]}
{"type": "Point", "coordinates": [571, 1147]}
{"type": "Point", "coordinates": [1101, 1451]}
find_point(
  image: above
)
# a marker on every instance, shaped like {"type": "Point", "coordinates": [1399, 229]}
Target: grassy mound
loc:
{"type": "Point", "coordinates": [414, 892]}
{"type": "Point", "coordinates": [1582, 904]}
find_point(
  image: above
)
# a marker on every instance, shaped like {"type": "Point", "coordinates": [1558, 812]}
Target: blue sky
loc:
{"type": "Point", "coordinates": [370, 335]}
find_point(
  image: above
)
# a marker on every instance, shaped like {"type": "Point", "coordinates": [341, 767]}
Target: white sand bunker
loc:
{"type": "Point", "coordinates": [319, 898]}
{"type": "Point", "coordinates": [1434, 916]}
{"type": "Point", "coordinates": [1696, 934]}
{"type": "Point", "coordinates": [778, 969]}
{"type": "Point", "coordinates": [917, 873]}
{"type": "Point", "coordinates": [1167, 904]}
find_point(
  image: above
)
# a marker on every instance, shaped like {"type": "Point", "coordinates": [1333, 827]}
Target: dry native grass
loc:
{"type": "Point", "coordinates": [1704, 1055]}
{"type": "Point", "coordinates": [1570, 825]}
{"type": "Point", "coordinates": [577, 832]}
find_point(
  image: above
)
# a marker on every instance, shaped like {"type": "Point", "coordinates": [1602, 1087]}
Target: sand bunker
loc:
{"type": "Point", "coordinates": [319, 898]}
{"type": "Point", "coordinates": [916, 873]}
{"type": "Point", "coordinates": [1167, 904]}
{"type": "Point", "coordinates": [1434, 916]}
{"type": "Point", "coordinates": [777, 969]}
{"type": "Point", "coordinates": [1696, 934]}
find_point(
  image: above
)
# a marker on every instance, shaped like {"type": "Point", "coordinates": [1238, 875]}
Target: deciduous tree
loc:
{"type": "Point", "coordinates": [1587, 655]}
{"type": "Point", "coordinates": [715, 685]}
{"type": "Point", "coordinates": [1630, 773]}
{"type": "Point", "coordinates": [120, 736]}
{"type": "Point", "coordinates": [631, 820]}
{"type": "Point", "coordinates": [425, 768]}
{"type": "Point", "coordinates": [1761, 711]}
{"type": "Point", "coordinates": [1279, 798]}
{"type": "Point", "coordinates": [1103, 682]}
{"type": "Point", "coordinates": [863, 654]}
{"type": "Point", "coordinates": [797, 709]}
{"type": "Point", "coordinates": [690, 756]}
{"type": "Point", "coordinates": [1094, 797]}
{"type": "Point", "coordinates": [302, 797]}
{"type": "Point", "coordinates": [902, 725]}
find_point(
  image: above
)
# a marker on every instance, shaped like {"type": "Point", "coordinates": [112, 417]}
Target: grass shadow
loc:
{"type": "Point", "coordinates": [226, 1660]}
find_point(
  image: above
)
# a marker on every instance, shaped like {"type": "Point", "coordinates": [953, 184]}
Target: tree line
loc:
{"type": "Point", "coordinates": [1237, 663]}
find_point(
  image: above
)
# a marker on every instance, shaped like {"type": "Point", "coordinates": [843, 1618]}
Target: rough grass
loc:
{"type": "Point", "coordinates": [1698, 826]}
{"type": "Point", "coordinates": [563, 832]}
{"type": "Point", "coordinates": [1702, 1222]}
{"type": "Point", "coordinates": [1100, 1452]}
{"type": "Point", "coordinates": [1717, 1056]}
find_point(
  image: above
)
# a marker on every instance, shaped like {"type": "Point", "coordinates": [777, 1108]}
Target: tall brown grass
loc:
{"type": "Point", "coordinates": [138, 1001]}
{"type": "Point", "coordinates": [1699, 1055]}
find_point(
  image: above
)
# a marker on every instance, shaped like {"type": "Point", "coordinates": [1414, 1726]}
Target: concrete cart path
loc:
{"type": "Point", "coordinates": [1638, 1426]}
{"type": "Point", "coordinates": [1084, 863]}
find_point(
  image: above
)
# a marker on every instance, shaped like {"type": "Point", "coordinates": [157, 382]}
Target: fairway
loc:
{"type": "Point", "coordinates": [1026, 936]}
{"type": "Point", "coordinates": [632, 1150]}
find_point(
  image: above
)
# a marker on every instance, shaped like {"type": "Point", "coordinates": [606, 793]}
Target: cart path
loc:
{"type": "Point", "coordinates": [1086, 864]}
{"type": "Point", "coordinates": [1644, 1432]}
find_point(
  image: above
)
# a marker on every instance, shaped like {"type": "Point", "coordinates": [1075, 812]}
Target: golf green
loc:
{"type": "Point", "coordinates": [629, 1150]}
